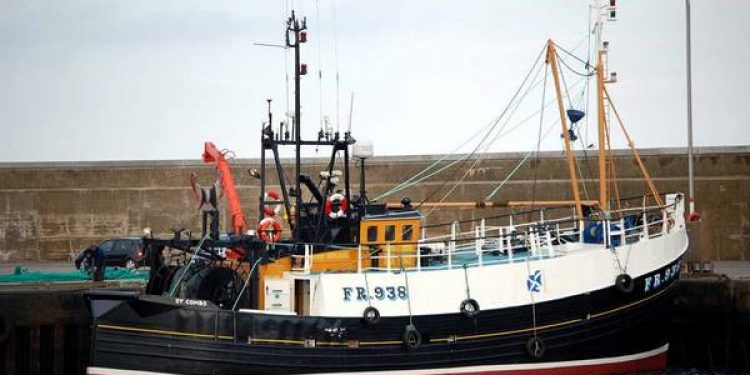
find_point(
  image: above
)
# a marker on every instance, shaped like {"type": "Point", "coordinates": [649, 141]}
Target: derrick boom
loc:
{"type": "Point", "coordinates": [212, 155]}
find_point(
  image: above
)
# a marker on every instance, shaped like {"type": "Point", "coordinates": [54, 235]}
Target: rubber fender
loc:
{"type": "Point", "coordinates": [535, 348]}
{"type": "Point", "coordinates": [412, 338]}
{"type": "Point", "coordinates": [470, 308]}
{"type": "Point", "coordinates": [371, 315]}
{"type": "Point", "coordinates": [624, 283]}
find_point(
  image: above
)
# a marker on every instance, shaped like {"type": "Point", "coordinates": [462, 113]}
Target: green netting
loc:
{"type": "Point", "coordinates": [22, 274]}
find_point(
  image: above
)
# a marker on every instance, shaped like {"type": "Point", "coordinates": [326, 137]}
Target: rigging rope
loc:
{"type": "Point", "coordinates": [409, 183]}
{"type": "Point", "coordinates": [486, 147]}
{"type": "Point", "coordinates": [539, 135]}
{"type": "Point", "coordinates": [559, 48]}
{"type": "Point", "coordinates": [565, 85]}
{"type": "Point", "coordinates": [557, 121]}
{"type": "Point", "coordinates": [565, 64]}
{"type": "Point", "coordinates": [519, 165]}
{"type": "Point", "coordinates": [426, 173]}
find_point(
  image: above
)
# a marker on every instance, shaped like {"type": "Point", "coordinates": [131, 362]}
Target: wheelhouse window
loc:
{"type": "Point", "coordinates": [390, 232]}
{"type": "Point", "coordinates": [407, 232]}
{"type": "Point", "coordinates": [372, 234]}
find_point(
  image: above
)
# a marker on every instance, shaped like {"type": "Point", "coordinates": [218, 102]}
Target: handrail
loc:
{"type": "Point", "coordinates": [539, 238]}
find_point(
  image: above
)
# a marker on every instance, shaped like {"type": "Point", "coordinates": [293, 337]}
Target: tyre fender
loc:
{"type": "Point", "coordinates": [469, 308]}
{"type": "Point", "coordinates": [535, 348]}
{"type": "Point", "coordinates": [412, 338]}
{"type": "Point", "coordinates": [624, 283]}
{"type": "Point", "coordinates": [371, 315]}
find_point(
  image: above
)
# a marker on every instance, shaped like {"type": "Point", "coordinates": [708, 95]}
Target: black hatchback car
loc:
{"type": "Point", "coordinates": [123, 252]}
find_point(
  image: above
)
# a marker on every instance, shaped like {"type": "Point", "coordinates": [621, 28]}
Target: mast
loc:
{"type": "Point", "coordinates": [552, 60]}
{"type": "Point", "coordinates": [600, 51]}
{"type": "Point", "coordinates": [296, 29]}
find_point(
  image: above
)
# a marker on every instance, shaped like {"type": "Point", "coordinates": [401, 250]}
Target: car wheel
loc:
{"type": "Point", "coordinates": [130, 264]}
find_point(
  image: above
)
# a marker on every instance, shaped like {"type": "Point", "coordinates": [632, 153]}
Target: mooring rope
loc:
{"type": "Point", "coordinates": [247, 281]}
{"type": "Point", "coordinates": [466, 280]}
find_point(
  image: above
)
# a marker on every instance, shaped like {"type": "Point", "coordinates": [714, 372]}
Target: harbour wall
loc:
{"type": "Point", "coordinates": [49, 211]}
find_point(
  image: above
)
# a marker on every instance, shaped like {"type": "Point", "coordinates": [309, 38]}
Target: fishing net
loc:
{"type": "Point", "coordinates": [21, 274]}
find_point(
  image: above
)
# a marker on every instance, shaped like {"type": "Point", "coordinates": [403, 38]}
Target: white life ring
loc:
{"type": "Point", "coordinates": [338, 201]}
{"type": "Point", "coordinates": [272, 210]}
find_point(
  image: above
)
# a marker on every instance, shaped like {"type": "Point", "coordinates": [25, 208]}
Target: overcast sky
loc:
{"type": "Point", "coordinates": [120, 80]}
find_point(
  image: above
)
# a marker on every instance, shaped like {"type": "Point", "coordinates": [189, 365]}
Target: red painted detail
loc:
{"type": "Point", "coordinates": [342, 203]}
{"type": "Point", "coordinates": [269, 230]}
{"type": "Point", "coordinates": [268, 210]}
{"type": "Point", "coordinates": [653, 363]}
{"type": "Point", "coordinates": [213, 155]}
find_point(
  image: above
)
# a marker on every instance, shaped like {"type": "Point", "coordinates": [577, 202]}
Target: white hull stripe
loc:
{"type": "Point", "coordinates": [449, 370]}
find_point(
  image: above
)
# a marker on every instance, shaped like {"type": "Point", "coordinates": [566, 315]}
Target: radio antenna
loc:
{"type": "Point", "coordinates": [351, 109]}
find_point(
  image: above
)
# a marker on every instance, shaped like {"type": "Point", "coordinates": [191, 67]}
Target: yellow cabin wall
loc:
{"type": "Point", "coordinates": [344, 260]}
{"type": "Point", "coordinates": [401, 250]}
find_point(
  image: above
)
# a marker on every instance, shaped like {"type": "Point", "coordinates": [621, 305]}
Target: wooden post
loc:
{"type": "Point", "coordinates": [637, 157]}
{"type": "Point", "coordinates": [552, 60]}
{"type": "Point", "coordinates": [600, 90]}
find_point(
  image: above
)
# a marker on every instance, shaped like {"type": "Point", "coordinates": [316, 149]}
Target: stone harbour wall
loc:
{"type": "Point", "coordinates": [49, 211]}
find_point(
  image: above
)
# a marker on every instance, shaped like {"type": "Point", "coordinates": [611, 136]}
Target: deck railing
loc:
{"type": "Point", "coordinates": [544, 238]}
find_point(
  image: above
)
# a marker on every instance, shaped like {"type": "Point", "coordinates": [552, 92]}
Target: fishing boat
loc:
{"type": "Point", "coordinates": [331, 281]}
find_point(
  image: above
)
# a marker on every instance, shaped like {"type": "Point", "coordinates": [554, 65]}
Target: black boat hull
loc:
{"type": "Point", "coordinates": [604, 331]}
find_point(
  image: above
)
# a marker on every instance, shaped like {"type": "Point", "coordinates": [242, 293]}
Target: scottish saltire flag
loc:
{"type": "Point", "coordinates": [534, 282]}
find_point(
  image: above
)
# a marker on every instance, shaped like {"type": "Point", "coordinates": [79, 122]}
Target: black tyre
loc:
{"type": "Point", "coordinates": [470, 308]}
{"type": "Point", "coordinates": [535, 348]}
{"type": "Point", "coordinates": [624, 283]}
{"type": "Point", "coordinates": [371, 316]}
{"type": "Point", "coordinates": [160, 280]}
{"type": "Point", "coordinates": [412, 338]}
{"type": "Point", "coordinates": [219, 285]}
{"type": "Point", "coordinates": [179, 279]}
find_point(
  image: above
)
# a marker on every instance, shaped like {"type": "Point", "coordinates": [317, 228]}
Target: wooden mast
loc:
{"type": "Point", "coordinates": [552, 60]}
{"type": "Point", "coordinates": [637, 156]}
{"type": "Point", "coordinates": [601, 51]}
{"type": "Point", "coordinates": [602, 124]}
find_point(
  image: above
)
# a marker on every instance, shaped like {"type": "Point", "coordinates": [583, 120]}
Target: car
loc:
{"type": "Point", "coordinates": [123, 252]}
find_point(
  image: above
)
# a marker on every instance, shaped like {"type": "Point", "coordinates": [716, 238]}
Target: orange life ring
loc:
{"type": "Point", "coordinates": [339, 200]}
{"type": "Point", "coordinates": [269, 230]}
{"type": "Point", "coordinates": [272, 210]}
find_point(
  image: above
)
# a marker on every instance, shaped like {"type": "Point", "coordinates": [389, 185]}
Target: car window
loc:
{"type": "Point", "coordinates": [106, 246]}
{"type": "Point", "coordinates": [121, 247]}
